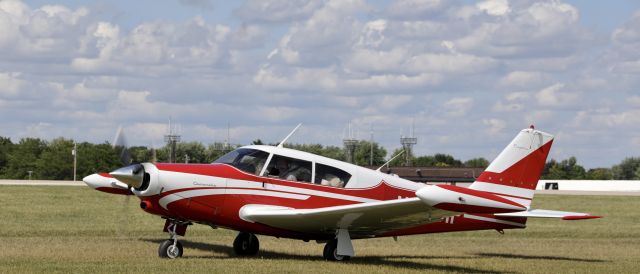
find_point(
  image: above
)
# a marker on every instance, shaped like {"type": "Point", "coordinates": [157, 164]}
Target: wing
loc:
{"type": "Point", "coordinates": [362, 220]}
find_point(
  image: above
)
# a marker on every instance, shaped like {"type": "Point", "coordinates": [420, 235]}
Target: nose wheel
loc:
{"type": "Point", "coordinates": [171, 248]}
{"type": "Point", "coordinates": [246, 244]}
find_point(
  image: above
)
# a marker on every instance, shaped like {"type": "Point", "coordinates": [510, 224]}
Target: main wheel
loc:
{"type": "Point", "coordinates": [330, 252]}
{"type": "Point", "coordinates": [168, 250]}
{"type": "Point", "coordinates": [246, 244]}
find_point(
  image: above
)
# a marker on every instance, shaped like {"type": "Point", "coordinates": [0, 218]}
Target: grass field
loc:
{"type": "Point", "coordinates": [80, 230]}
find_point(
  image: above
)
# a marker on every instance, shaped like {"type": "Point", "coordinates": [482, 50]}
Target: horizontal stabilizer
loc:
{"type": "Point", "coordinates": [543, 213]}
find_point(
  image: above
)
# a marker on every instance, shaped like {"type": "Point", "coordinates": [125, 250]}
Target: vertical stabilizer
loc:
{"type": "Point", "coordinates": [514, 174]}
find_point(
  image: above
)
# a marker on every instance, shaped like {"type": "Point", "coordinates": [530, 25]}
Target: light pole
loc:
{"type": "Point", "coordinates": [74, 152]}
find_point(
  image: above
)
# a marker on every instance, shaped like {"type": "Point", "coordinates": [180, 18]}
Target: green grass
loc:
{"type": "Point", "coordinates": [79, 230]}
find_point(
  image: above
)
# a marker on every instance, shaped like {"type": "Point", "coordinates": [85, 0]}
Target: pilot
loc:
{"type": "Point", "coordinates": [284, 171]}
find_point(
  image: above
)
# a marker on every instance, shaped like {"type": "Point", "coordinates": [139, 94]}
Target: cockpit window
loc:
{"type": "Point", "coordinates": [289, 169]}
{"type": "Point", "coordinates": [331, 176]}
{"type": "Point", "coordinates": [245, 159]}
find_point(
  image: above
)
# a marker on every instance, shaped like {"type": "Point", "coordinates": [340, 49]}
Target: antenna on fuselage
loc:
{"type": "Point", "coordinates": [393, 158]}
{"type": "Point", "coordinates": [287, 138]}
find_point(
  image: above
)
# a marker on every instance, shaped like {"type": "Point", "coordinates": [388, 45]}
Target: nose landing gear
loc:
{"type": "Point", "coordinates": [172, 248]}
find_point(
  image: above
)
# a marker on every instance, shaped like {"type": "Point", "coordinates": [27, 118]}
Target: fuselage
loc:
{"type": "Point", "coordinates": [213, 194]}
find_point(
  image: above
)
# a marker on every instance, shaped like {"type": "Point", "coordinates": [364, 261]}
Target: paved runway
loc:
{"type": "Point", "coordinates": [550, 192]}
{"type": "Point", "coordinates": [40, 183]}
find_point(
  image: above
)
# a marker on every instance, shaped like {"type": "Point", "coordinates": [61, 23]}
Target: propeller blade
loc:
{"type": "Point", "coordinates": [121, 147]}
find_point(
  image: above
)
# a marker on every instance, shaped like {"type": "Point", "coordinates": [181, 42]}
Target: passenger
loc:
{"type": "Point", "coordinates": [284, 171]}
{"type": "Point", "coordinates": [332, 180]}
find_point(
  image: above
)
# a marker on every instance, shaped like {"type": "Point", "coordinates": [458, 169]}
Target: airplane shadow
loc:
{"type": "Point", "coordinates": [530, 257]}
{"type": "Point", "coordinates": [398, 261]}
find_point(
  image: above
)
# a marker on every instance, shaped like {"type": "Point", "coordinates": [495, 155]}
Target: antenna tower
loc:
{"type": "Point", "coordinates": [172, 137]}
{"type": "Point", "coordinates": [350, 145]}
{"type": "Point", "coordinates": [407, 145]}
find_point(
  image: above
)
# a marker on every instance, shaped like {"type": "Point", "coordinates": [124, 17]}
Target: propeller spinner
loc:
{"type": "Point", "coordinates": [132, 175]}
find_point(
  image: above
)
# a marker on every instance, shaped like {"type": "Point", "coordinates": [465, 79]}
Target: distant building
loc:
{"type": "Point", "coordinates": [435, 174]}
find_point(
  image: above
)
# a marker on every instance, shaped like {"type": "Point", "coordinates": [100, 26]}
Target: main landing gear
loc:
{"type": "Point", "coordinates": [246, 244]}
{"type": "Point", "coordinates": [330, 252]}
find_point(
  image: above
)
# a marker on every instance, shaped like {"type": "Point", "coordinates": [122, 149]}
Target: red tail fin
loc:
{"type": "Point", "coordinates": [514, 174]}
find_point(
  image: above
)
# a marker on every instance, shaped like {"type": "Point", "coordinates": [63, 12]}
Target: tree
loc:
{"type": "Point", "coordinates": [477, 162]}
{"type": "Point", "coordinates": [599, 174]}
{"type": "Point", "coordinates": [6, 146]}
{"type": "Point", "coordinates": [332, 152]}
{"type": "Point", "coordinates": [627, 169]}
{"type": "Point", "coordinates": [56, 161]}
{"type": "Point", "coordinates": [141, 154]}
{"type": "Point", "coordinates": [426, 160]}
{"type": "Point", "coordinates": [96, 158]}
{"type": "Point", "coordinates": [446, 160]}
{"type": "Point", "coordinates": [23, 157]}
{"type": "Point", "coordinates": [566, 170]}
{"type": "Point", "coordinates": [362, 154]}
{"type": "Point", "coordinates": [216, 150]}
{"type": "Point", "coordinates": [399, 161]}
{"type": "Point", "coordinates": [196, 152]}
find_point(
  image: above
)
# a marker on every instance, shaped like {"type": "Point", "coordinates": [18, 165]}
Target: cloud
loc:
{"type": "Point", "coordinates": [202, 4]}
{"type": "Point", "coordinates": [556, 95]}
{"type": "Point", "coordinates": [276, 11]}
{"type": "Point", "coordinates": [458, 106]}
{"type": "Point", "coordinates": [488, 68]}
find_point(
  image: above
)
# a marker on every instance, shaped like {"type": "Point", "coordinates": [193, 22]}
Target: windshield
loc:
{"type": "Point", "coordinates": [245, 159]}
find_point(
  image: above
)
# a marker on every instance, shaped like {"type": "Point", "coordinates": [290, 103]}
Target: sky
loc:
{"type": "Point", "coordinates": [465, 75]}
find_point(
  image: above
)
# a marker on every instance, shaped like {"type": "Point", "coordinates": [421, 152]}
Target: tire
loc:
{"type": "Point", "coordinates": [330, 252]}
{"type": "Point", "coordinates": [167, 250]}
{"type": "Point", "coordinates": [246, 244]}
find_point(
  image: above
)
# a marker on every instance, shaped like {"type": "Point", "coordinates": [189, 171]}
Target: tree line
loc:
{"type": "Point", "coordinates": [53, 160]}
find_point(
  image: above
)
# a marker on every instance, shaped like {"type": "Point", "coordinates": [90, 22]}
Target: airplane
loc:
{"type": "Point", "coordinates": [281, 192]}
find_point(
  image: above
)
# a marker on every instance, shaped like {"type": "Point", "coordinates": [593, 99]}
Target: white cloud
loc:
{"type": "Point", "coordinates": [556, 95]}
{"type": "Point", "coordinates": [494, 126]}
{"type": "Point", "coordinates": [10, 84]}
{"type": "Point", "coordinates": [79, 72]}
{"type": "Point", "coordinates": [494, 7]}
{"type": "Point", "coordinates": [523, 79]}
{"type": "Point", "coordinates": [275, 11]}
{"type": "Point", "coordinates": [458, 106]}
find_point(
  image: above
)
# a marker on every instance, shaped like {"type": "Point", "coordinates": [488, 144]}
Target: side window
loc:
{"type": "Point", "coordinates": [289, 169]}
{"type": "Point", "coordinates": [331, 176]}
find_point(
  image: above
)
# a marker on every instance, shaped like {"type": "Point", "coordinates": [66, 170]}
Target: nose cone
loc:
{"type": "Point", "coordinates": [96, 181]}
{"type": "Point", "coordinates": [132, 175]}
{"type": "Point", "coordinates": [105, 183]}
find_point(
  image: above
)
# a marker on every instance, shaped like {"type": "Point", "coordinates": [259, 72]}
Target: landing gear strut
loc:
{"type": "Point", "coordinates": [246, 244]}
{"type": "Point", "coordinates": [171, 248]}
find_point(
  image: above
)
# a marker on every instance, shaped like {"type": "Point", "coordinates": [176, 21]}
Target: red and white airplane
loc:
{"type": "Point", "coordinates": [276, 191]}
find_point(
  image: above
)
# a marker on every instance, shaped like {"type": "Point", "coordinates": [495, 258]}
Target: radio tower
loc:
{"type": "Point", "coordinates": [350, 145]}
{"type": "Point", "coordinates": [172, 138]}
{"type": "Point", "coordinates": [407, 144]}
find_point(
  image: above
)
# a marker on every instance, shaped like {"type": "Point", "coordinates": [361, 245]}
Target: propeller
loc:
{"type": "Point", "coordinates": [122, 150]}
{"type": "Point", "coordinates": [131, 174]}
